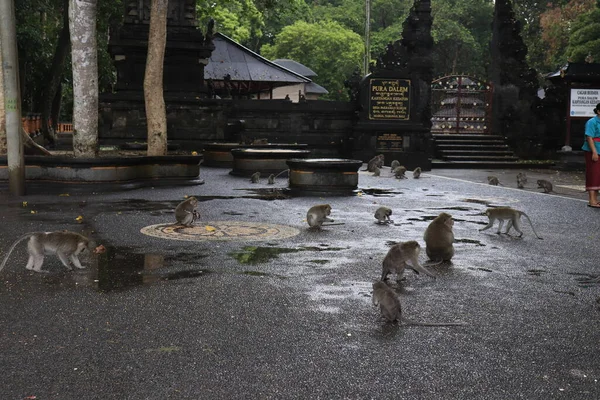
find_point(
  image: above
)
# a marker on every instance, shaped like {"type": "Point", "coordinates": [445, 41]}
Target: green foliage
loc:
{"type": "Point", "coordinates": [239, 19]}
{"type": "Point", "coordinates": [585, 37]}
{"type": "Point", "coordinates": [326, 47]}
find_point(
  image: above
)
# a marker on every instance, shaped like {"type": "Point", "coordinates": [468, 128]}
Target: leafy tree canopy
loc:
{"type": "Point", "coordinates": [585, 37]}
{"type": "Point", "coordinates": [239, 19]}
{"type": "Point", "coordinates": [326, 47]}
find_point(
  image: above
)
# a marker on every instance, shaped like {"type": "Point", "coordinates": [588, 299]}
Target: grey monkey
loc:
{"type": "Point", "coordinates": [186, 213]}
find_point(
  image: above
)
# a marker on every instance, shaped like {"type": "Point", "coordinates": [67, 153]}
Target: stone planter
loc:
{"type": "Point", "coordinates": [266, 161]}
{"type": "Point", "coordinates": [219, 154]}
{"type": "Point", "coordinates": [106, 169]}
{"type": "Point", "coordinates": [324, 175]}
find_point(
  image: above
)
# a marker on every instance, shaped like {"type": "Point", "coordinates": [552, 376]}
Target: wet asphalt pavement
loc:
{"type": "Point", "coordinates": [292, 319]}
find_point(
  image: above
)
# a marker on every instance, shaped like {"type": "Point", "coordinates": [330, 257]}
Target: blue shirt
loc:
{"type": "Point", "coordinates": [592, 128]}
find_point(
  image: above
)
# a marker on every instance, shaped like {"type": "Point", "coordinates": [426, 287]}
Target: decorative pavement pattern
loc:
{"type": "Point", "coordinates": [221, 230]}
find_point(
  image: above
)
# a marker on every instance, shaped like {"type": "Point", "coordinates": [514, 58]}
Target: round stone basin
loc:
{"type": "Point", "coordinates": [266, 161]}
{"type": "Point", "coordinates": [219, 154]}
{"type": "Point", "coordinates": [324, 175]}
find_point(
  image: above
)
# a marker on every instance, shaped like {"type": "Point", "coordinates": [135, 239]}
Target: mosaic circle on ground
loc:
{"type": "Point", "coordinates": [221, 230]}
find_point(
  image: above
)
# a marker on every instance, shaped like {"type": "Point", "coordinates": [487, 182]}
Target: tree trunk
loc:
{"type": "Point", "coordinates": [54, 76]}
{"type": "Point", "coordinates": [156, 115]}
{"type": "Point", "coordinates": [2, 115]}
{"type": "Point", "coordinates": [84, 59]}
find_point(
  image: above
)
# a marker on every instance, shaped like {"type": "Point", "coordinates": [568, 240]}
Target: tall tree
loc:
{"type": "Point", "coordinates": [84, 59]}
{"type": "Point", "coordinates": [584, 40]}
{"type": "Point", "coordinates": [156, 116]}
{"type": "Point", "coordinates": [2, 115]}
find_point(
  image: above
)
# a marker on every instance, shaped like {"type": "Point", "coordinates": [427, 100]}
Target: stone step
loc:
{"type": "Point", "coordinates": [474, 153]}
{"type": "Point", "coordinates": [473, 146]}
{"type": "Point", "coordinates": [487, 164]}
{"type": "Point", "coordinates": [481, 158]}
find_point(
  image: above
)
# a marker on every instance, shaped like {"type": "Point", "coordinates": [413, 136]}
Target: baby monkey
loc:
{"type": "Point", "coordinates": [66, 245]}
{"type": "Point", "coordinates": [382, 214]}
{"type": "Point", "coordinates": [271, 179]}
{"type": "Point", "coordinates": [417, 173]}
{"type": "Point", "coordinates": [395, 164]}
{"type": "Point", "coordinates": [546, 185]}
{"type": "Point", "coordinates": [186, 213]}
{"type": "Point", "coordinates": [401, 256]}
{"type": "Point", "coordinates": [400, 172]}
{"type": "Point", "coordinates": [318, 214]}
{"type": "Point", "coordinates": [506, 213]}
{"type": "Point", "coordinates": [376, 172]}
{"type": "Point", "coordinates": [492, 180]}
{"type": "Point", "coordinates": [255, 177]}
{"type": "Point", "coordinates": [521, 180]}
{"type": "Point", "coordinates": [391, 310]}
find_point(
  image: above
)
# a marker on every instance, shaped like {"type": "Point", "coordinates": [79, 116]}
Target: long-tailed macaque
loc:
{"type": "Point", "coordinates": [492, 180]}
{"type": "Point", "coordinates": [506, 213]}
{"type": "Point", "coordinates": [376, 172]}
{"type": "Point", "coordinates": [66, 245]}
{"type": "Point", "coordinates": [400, 172]}
{"type": "Point", "coordinates": [318, 214]}
{"type": "Point", "coordinates": [255, 177]}
{"type": "Point", "coordinates": [417, 173]}
{"type": "Point", "coordinates": [395, 164]}
{"type": "Point", "coordinates": [186, 212]}
{"type": "Point", "coordinates": [521, 180]}
{"type": "Point", "coordinates": [439, 238]}
{"type": "Point", "coordinates": [382, 214]}
{"type": "Point", "coordinates": [546, 185]}
{"type": "Point", "coordinates": [401, 256]}
{"type": "Point", "coordinates": [375, 162]}
{"type": "Point", "coordinates": [391, 310]}
{"type": "Point", "coordinates": [271, 179]}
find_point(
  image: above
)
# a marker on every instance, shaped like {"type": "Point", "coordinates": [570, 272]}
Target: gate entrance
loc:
{"type": "Point", "coordinates": [461, 104]}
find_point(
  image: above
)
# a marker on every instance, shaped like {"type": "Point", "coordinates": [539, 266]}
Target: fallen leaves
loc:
{"type": "Point", "coordinates": [100, 249]}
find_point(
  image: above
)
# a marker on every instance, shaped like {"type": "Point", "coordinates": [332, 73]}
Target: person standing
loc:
{"type": "Point", "coordinates": [591, 146]}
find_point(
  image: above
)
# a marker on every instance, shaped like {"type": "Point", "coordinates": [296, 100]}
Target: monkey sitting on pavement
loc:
{"type": "Point", "coordinates": [318, 214]}
{"type": "Point", "coordinates": [439, 238]}
{"type": "Point", "coordinates": [186, 213]}
{"type": "Point", "coordinates": [382, 214]}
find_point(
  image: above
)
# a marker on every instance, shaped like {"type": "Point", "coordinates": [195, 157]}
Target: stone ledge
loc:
{"type": "Point", "coordinates": [106, 169]}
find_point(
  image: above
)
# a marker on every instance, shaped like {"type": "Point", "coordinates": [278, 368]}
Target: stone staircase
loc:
{"type": "Point", "coordinates": [472, 151]}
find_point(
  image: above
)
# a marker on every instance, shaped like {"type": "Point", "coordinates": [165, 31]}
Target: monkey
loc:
{"type": "Point", "coordinates": [521, 180]}
{"type": "Point", "coordinates": [375, 162]}
{"type": "Point", "coordinates": [255, 177]}
{"type": "Point", "coordinates": [399, 172]}
{"type": "Point", "coordinates": [439, 238]}
{"type": "Point", "coordinates": [492, 180]}
{"type": "Point", "coordinates": [382, 214]}
{"type": "Point", "coordinates": [506, 213]}
{"type": "Point", "coordinates": [395, 164]}
{"type": "Point", "coordinates": [546, 185]}
{"type": "Point", "coordinates": [65, 244]}
{"type": "Point", "coordinates": [316, 215]}
{"type": "Point", "coordinates": [271, 180]}
{"type": "Point", "coordinates": [376, 171]}
{"type": "Point", "coordinates": [417, 173]}
{"type": "Point", "coordinates": [391, 310]}
{"type": "Point", "coordinates": [397, 257]}
{"type": "Point", "coordinates": [186, 213]}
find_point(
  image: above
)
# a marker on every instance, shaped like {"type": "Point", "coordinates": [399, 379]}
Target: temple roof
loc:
{"type": "Point", "coordinates": [295, 66]}
{"type": "Point", "coordinates": [582, 72]}
{"type": "Point", "coordinates": [238, 63]}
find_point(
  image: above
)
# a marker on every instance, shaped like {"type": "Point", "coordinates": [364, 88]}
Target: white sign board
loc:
{"type": "Point", "coordinates": [583, 102]}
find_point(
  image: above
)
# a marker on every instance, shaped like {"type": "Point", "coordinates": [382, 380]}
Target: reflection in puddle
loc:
{"type": "Point", "coordinates": [268, 193]}
{"type": "Point", "coordinates": [380, 192]}
{"type": "Point", "coordinates": [257, 254]}
{"type": "Point", "coordinates": [473, 241]}
{"type": "Point", "coordinates": [262, 274]}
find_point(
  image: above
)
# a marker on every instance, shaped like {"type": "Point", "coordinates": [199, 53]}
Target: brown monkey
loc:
{"type": "Point", "coordinates": [546, 185]}
{"type": "Point", "coordinates": [375, 162]}
{"type": "Point", "coordinates": [186, 213]}
{"type": "Point", "coordinates": [506, 213]}
{"type": "Point", "coordinates": [391, 310]}
{"type": "Point", "coordinates": [66, 245]}
{"type": "Point", "coordinates": [401, 256]}
{"type": "Point", "coordinates": [521, 180]}
{"type": "Point", "coordinates": [255, 177]}
{"type": "Point", "coordinates": [400, 172]}
{"type": "Point", "coordinates": [316, 215]}
{"type": "Point", "coordinates": [376, 171]}
{"type": "Point", "coordinates": [395, 164]}
{"type": "Point", "coordinates": [439, 238]}
{"type": "Point", "coordinates": [383, 215]}
{"type": "Point", "coordinates": [492, 180]}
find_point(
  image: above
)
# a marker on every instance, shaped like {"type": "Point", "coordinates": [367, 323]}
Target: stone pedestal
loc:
{"type": "Point", "coordinates": [320, 176]}
{"type": "Point", "coordinates": [266, 161]}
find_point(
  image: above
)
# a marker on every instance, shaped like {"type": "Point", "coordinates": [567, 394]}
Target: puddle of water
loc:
{"type": "Point", "coordinates": [232, 213]}
{"type": "Point", "coordinates": [457, 208]}
{"type": "Point", "coordinates": [268, 193]}
{"type": "Point", "coordinates": [536, 272]}
{"type": "Point", "coordinates": [472, 241]}
{"type": "Point", "coordinates": [257, 254]}
{"type": "Point", "coordinates": [380, 192]}
{"type": "Point", "coordinates": [432, 217]}
{"type": "Point", "coordinates": [320, 262]}
{"type": "Point", "coordinates": [478, 201]}
{"type": "Point", "coordinates": [262, 274]}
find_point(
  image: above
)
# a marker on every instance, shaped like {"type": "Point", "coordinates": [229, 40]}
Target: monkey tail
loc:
{"type": "Point", "coordinates": [10, 250]}
{"type": "Point", "coordinates": [526, 216]}
{"type": "Point", "coordinates": [285, 170]}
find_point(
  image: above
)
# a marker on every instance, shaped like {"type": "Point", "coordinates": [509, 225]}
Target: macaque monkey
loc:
{"type": "Point", "coordinates": [417, 173]}
{"type": "Point", "coordinates": [391, 310]}
{"type": "Point", "coordinates": [376, 172]}
{"type": "Point", "coordinates": [255, 177]}
{"type": "Point", "coordinates": [375, 162]}
{"type": "Point", "coordinates": [395, 164]}
{"type": "Point", "coordinates": [316, 215]}
{"type": "Point", "coordinates": [401, 256]}
{"type": "Point", "coordinates": [186, 213]}
{"type": "Point", "coordinates": [400, 172]}
{"type": "Point", "coordinates": [544, 184]}
{"type": "Point", "coordinates": [439, 238]}
{"type": "Point", "coordinates": [382, 214]}
{"type": "Point", "coordinates": [66, 245]}
{"type": "Point", "coordinates": [521, 180]}
{"type": "Point", "coordinates": [271, 180]}
{"type": "Point", "coordinates": [492, 180]}
{"type": "Point", "coordinates": [506, 213]}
